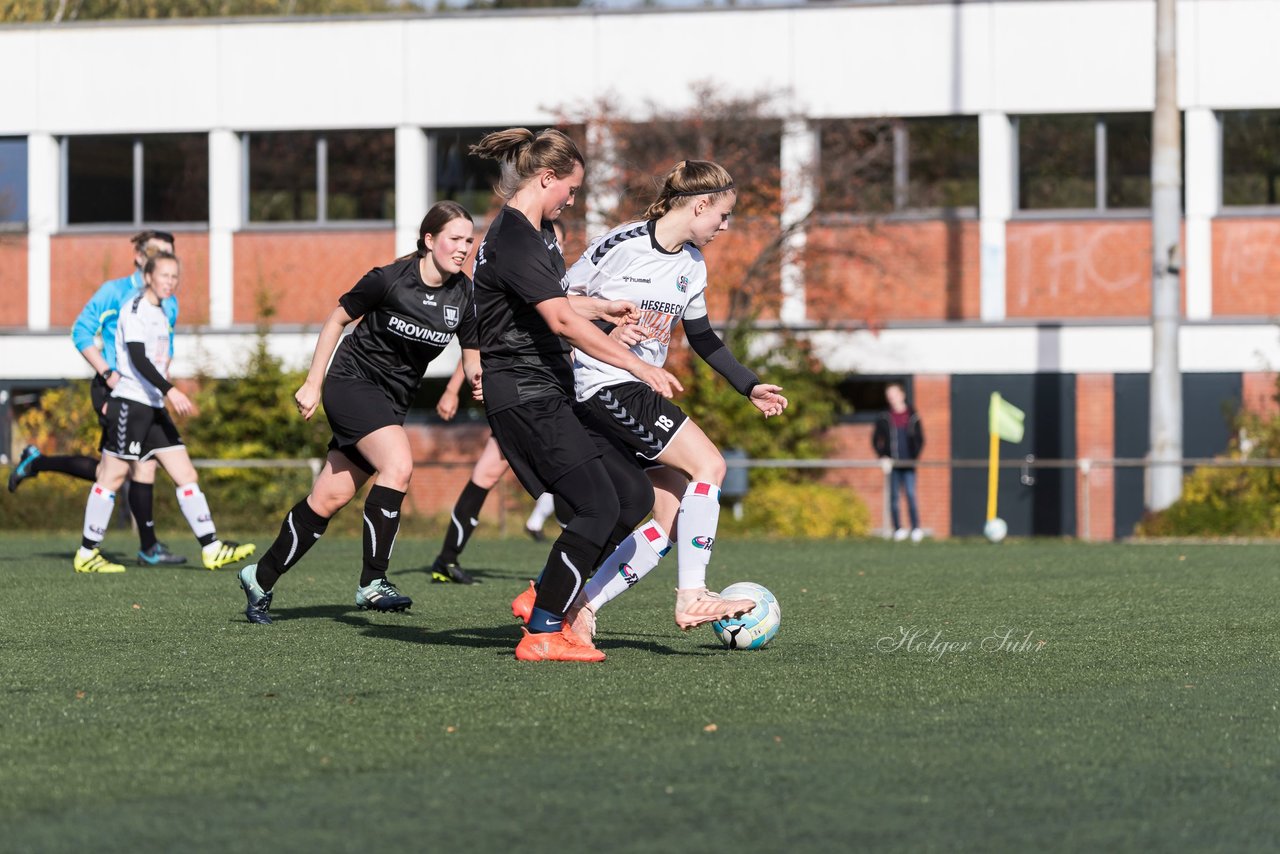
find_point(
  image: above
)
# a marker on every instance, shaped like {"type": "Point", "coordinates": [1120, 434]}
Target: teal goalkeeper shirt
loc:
{"type": "Point", "coordinates": [102, 311]}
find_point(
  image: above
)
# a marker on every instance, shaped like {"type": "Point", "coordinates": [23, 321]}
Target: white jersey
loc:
{"type": "Point", "coordinates": [627, 263]}
{"type": "Point", "coordinates": [146, 323]}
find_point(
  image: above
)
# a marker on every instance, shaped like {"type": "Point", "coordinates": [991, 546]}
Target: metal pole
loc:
{"type": "Point", "coordinates": [1166, 220]}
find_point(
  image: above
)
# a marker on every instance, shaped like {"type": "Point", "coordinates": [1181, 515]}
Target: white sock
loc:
{"type": "Point", "coordinates": [631, 561]}
{"type": "Point", "coordinates": [698, 519]}
{"type": "Point", "coordinates": [541, 512]}
{"type": "Point", "coordinates": [97, 515]}
{"type": "Point", "coordinates": [196, 508]}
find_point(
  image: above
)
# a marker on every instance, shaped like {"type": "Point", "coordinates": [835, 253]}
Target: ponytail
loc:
{"type": "Point", "coordinates": [687, 179]}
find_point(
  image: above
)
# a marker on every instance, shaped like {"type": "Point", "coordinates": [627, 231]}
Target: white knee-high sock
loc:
{"type": "Point", "coordinates": [631, 561]}
{"type": "Point", "coordinates": [541, 512]}
{"type": "Point", "coordinates": [698, 519]}
{"type": "Point", "coordinates": [196, 508]}
{"type": "Point", "coordinates": [97, 515]}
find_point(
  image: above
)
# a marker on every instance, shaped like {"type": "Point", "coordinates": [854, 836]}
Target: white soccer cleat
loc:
{"type": "Point", "coordinates": [698, 605]}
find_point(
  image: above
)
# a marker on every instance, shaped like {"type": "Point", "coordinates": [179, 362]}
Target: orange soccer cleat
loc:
{"type": "Point", "coordinates": [563, 645]}
{"type": "Point", "coordinates": [522, 605]}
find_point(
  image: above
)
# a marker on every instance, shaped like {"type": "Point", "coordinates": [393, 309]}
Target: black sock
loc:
{"type": "Point", "coordinates": [84, 468]}
{"type": "Point", "coordinates": [381, 524]}
{"type": "Point", "coordinates": [141, 505]}
{"type": "Point", "coordinates": [301, 529]}
{"type": "Point", "coordinates": [568, 567]}
{"type": "Point", "coordinates": [463, 524]}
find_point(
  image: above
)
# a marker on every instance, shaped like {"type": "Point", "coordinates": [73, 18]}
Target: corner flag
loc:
{"type": "Point", "coordinates": [1004, 421]}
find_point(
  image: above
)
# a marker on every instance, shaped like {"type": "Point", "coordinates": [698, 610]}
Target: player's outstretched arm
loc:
{"type": "Point", "coordinates": [564, 321]}
{"type": "Point", "coordinates": [616, 311]}
{"type": "Point", "coordinates": [469, 364]}
{"type": "Point", "coordinates": [308, 397]}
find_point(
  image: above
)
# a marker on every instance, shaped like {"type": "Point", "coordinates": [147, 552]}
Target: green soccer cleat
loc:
{"type": "Point", "coordinates": [219, 554]}
{"type": "Point", "coordinates": [95, 562]}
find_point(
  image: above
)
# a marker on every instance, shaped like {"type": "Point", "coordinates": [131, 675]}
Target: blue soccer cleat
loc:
{"type": "Point", "coordinates": [381, 595]}
{"type": "Point", "coordinates": [159, 555]}
{"type": "Point", "coordinates": [22, 470]}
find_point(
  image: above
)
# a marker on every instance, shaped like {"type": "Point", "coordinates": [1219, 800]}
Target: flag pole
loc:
{"type": "Point", "coordinates": [993, 470]}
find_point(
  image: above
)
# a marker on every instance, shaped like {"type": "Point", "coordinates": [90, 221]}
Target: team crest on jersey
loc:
{"type": "Point", "coordinates": [682, 284]}
{"type": "Point", "coordinates": [450, 316]}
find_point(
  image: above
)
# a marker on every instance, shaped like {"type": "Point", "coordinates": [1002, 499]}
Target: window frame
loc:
{"type": "Point", "coordinates": [1221, 207]}
{"type": "Point", "coordinates": [1100, 209]}
{"type": "Point", "coordinates": [322, 221]}
{"type": "Point", "coordinates": [137, 186]}
{"type": "Point", "coordinates": [20, 226]}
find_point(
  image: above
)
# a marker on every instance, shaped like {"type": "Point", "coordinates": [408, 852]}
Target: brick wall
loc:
{"type": "Point", "coordinates": [1246, 267]}
{"type": "Point", "coordinates": [80, 263]}
{"type": "Point", "coordinates": [1095, 439]}
{"type": "Point", "coordinates": [1260, 393]}
{"type": "Point", "coordinates": [301, 274]}
{"type": "Point", "coordinates": [893, 271]}
{"type": "Point", "coordinates": [13, 280]}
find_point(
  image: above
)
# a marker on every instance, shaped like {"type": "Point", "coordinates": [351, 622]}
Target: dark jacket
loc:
{"type": "Point", "coordinates": [885, 438]}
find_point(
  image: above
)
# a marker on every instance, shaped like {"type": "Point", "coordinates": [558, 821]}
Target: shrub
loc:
{"type": "Point", "coordinates": [811, 510]}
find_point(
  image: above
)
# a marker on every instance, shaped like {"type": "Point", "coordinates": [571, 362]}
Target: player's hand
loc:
{"type": "Point", "coordinates": [619, 311]}
{"type": "Point", "coordinates": [765, 397]}
{"type": "Point", "coordinates": [181, 403]}
{"type": "Point", "coordinates": [886, 464]}
{"type": "Point", "coordinates": [628, 336]}
{"type": "Point", "coordinates": [477, 388]}
{"type": "Point", "coordinates": [447, 405]}
{"type": "Point", "coordinates": [113, 380]}
{"type": "Point", "coordinates": [658, 379]}
{"type": "Point", "coordinates": [308, 399]}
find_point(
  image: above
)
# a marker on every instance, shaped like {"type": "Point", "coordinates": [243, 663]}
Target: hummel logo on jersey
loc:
{"type": "Point", "coordinates": [628, 574]}
{"type": "Point", "coordinates": [450, 316]}
{"type": "Point", "coordinates": [703, 542]}
{"type": "Point", "coordinates": [390, 514]}
{"type": "Point", "coordinates": [682, 285]}
{"type": "Point", "coordinates": [421, 333]}
{"type": "Point", "coordinates": [637, 280]}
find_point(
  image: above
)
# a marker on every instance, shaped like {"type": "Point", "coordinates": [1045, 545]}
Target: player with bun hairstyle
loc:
{"type": "Point", "coordinates": [657, 264]}
{"type": "Point", "coordinates": [411, 309]}
{"type": "Point", "coordinates": [527, 325]}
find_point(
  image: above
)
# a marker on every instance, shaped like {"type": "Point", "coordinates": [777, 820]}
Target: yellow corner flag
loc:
{"type": "Point", "coordinates": [1003, 422]}
{"type": "Point", "coordinates": [1005, 419]}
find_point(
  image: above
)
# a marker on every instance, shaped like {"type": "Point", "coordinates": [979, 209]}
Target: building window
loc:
{"type": "Point", "coordinates": [1251, 158]}
{"type": "Point", "coordinates": [336, 176]}
{"type": "Point", "coordinates": [878, 166]}
{"type": "Point", "coordinates": [1079, 162]}
{"type": "Point", "coordinates": [461, 177]}
{"type": "Point", "coordinates": [126, 180]}
{"type": "Point", "coordinates": [863, 396]}
{"type": "Point", "coordinates": [13, 181]}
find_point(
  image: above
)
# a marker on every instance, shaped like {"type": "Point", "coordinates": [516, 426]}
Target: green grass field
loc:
{"type": "Point", "coordinates": [1134, 706]}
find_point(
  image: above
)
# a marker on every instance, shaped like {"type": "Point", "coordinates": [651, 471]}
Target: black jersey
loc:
{"type": "Point", "coordinates": [405, 324]}
{"type": "Point", "coordinates": [517, 267]}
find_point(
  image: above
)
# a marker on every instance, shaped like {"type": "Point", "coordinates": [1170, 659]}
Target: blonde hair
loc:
{"type": "Point", "coordinates": [523, 154]}
{"type": "Point", "coordinates": [687, 179]}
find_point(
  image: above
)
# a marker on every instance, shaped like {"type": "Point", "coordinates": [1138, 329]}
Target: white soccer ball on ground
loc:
{"type": "Point", "coordinates": [755, 628]}
{"type": "Point", "coordinates": [995, 529]}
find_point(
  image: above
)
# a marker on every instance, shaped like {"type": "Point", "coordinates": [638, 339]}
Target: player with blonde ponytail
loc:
{"type": "Point", "coordinates": [527, 325]}
{"type": "Point", "coordinates": [657, 264]}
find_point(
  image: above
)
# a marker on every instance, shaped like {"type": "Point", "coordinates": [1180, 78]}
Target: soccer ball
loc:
{"type": "Point", "coordinates": [995, 529]}
{"type": "Point", "coordinates": [755, 628]}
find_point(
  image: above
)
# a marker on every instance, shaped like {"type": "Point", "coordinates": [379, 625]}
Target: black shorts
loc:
{"type": "Point", "coordinates": [356, 408]}
{"type": "Point", "coordinates": [636, 416]}
{"type": "Point", "coordinates": [98, 394]}
{"type": "Point", "coordinates": [136, 431]}
{"type": "Point", "coordinates": [542, 439]}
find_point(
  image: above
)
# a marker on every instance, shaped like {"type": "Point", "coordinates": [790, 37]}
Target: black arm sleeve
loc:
{"type": "Point", "coordinates": [138, 355]}
{"type": "Point", "coordinates": [707, 344]}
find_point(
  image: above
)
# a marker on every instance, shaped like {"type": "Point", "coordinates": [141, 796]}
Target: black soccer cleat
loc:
{"type": "Point", "coordinates": [450, 573]}
{"type": "Point", "coordinates": [22, 470]}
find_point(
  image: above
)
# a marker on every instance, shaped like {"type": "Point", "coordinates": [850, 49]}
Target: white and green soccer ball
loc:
{"type": "Point", "coordinates": [995, 529]}
{"type": "Point", "coordinates": [755, 628]}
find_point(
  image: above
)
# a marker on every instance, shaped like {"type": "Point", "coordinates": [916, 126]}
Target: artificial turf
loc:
{"type": "Point", "coordinates": [1134, 706]}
